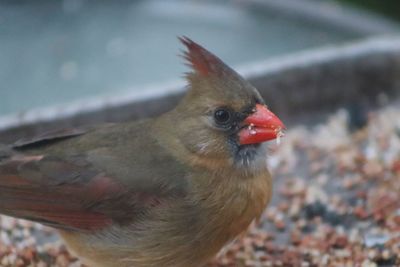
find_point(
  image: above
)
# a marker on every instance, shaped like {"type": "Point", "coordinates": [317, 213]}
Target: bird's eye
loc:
{"type": "Point", "coordinates": [222, 116]}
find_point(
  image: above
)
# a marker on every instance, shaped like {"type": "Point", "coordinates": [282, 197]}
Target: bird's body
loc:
{"type": "Point", "coordinates": [169, 191]}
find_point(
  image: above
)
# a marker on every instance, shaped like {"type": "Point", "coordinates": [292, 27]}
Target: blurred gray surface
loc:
{"type": "Point", "coordinates": [298, 87]}
{"type": "Point", "coordinates": [54, 52]}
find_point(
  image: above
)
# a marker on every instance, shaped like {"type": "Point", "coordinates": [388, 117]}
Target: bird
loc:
{"type": "Point", "coordinates": [167, 191]}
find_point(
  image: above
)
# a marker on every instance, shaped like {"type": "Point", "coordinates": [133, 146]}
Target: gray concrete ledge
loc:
{"type": "Point", "coordinates": [332, 14]}
{"type": "Point", "coordinates": [303, 83]}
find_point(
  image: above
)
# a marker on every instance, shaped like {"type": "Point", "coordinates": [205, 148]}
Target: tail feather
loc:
{"type": "Point", "coordinates": [5, 152]}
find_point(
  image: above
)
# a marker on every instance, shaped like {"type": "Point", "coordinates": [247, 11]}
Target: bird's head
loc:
{"type": "Point", "coordinates": [222, 116]}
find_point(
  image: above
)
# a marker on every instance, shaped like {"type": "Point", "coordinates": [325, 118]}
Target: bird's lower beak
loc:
{"type": "Point", "coordinates": [261, 126]}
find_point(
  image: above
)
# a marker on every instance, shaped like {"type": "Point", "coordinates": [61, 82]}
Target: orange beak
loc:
{"type": "Point", "coordinates": [261, 126]}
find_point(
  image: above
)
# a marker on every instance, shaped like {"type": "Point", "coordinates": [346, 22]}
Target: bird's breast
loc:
{"type": "Point", "coordinates": [249, 202]}
{"type": "Point", "coordinates": [233, 203]}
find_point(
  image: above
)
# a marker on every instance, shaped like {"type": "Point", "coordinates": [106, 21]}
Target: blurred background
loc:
{"type": "Point", "coordinates": [389, 8]}
{"type": "Point", "coordinates": [58, 52]}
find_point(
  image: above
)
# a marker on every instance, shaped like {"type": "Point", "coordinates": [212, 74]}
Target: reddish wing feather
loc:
{"type": "Point", "coordinates": [80, 200]}
{"type": "Point", "coordinates": [49, 201]}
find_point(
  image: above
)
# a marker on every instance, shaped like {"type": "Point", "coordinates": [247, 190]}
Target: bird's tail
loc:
{"type": "Point", "coordinates": [5, 152]}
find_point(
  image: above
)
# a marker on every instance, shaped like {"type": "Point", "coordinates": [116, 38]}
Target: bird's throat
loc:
{"type": "Point", "coordinates": [250, 156]}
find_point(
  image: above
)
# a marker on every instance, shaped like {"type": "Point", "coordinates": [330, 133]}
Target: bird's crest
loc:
{"type": "Point", "coordinates": [202, 61]}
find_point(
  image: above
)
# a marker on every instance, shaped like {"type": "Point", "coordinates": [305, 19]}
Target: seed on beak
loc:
{"type": "Point", "coordinates": [251, 129]}
{"type": "Point", "coordinates": [278, 136]}
{"type": "Point", "coordinates": [261, 126]}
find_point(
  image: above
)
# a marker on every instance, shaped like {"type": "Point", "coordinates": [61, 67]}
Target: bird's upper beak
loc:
{"type": "Point", "coordinates": [261, 126]}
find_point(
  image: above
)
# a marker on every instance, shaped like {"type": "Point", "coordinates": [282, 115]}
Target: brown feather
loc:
{"type": "Point", "coordinates": [48, 138]}
{"type": "Point", "coordinates": [67, 196]}
{"type": "Point", "coordinates": [202, 61]}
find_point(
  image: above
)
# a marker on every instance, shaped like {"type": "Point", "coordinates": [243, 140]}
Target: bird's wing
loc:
{"type": "Point", "coordinates": [49, 137]}
{"type": "Point", "coordinates": [68, 192]}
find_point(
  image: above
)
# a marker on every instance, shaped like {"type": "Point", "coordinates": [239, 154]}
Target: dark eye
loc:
{"type": "Point", "coordinates": [222, 116]}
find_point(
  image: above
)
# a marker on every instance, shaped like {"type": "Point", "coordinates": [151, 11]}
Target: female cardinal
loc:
{"type": "Point", "coordinates": [162, 192]}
